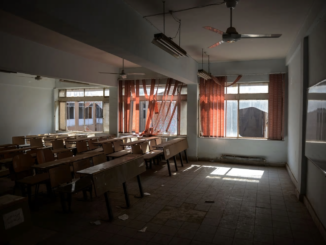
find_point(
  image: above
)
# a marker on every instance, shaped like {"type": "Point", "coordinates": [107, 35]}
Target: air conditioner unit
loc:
{"type": "Point", "coordinates": [165, 43]}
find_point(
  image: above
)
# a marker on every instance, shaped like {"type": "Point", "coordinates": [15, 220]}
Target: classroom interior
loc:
{"type": "Point", "coordinates": [134, 138]}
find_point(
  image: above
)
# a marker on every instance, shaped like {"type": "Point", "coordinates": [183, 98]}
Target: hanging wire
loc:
{"type": "Point", "coordinates": [179, 28]}
{"type": "Point", "coordinates": [181, 10]}
{"type": "Point", "coordinates": [164, 17]}
{"type": "Point", "coordinates": [202, 58]}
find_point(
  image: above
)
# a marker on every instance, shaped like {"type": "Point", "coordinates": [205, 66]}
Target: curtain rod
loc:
{"type": "Point", "coordinates": [250, 74]}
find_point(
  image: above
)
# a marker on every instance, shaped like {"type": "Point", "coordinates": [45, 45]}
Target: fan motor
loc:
{"type": "Point", "coordinates": [231, 3]}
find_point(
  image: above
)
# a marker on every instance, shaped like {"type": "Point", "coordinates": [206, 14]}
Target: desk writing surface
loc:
{"type": "Point", "coordinates": [66, 160]}
{"type": "Point", "coordinates": [100, 142]}
{"type": "Point", "coordinates": [61, 150]}
{"type": "Point", "coordinates": [19, 149]}
{"type": "Point", "coordinates": [109, 175]}
{"type": "Point", "coordinates": [173, 147]}
{"type": "Point", "coordinates": [8, 199]}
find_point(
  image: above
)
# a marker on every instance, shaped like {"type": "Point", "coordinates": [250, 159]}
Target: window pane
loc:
{"type": "Point", "coordinates": [62, 93]}
{"type": "Point", "coordinates": [99, 115]}
{"type": "Point", "coordinates": [253, 118]}
{"type": "Point", "coordinates": [75, 92]}
{"type": "Point", "coordinates": [254, 88]}
{"type": "Point", "coordinates": [318, 89]}
{"type": "Point", "coordinates": [81, 110]}
{"type": "Point", "coordinates": [232, 89]}
{"type": "Point", "coordinates": [70, 114]}
{"type": "Point", "coordinates": [231, 108]}
{"type": "Point", "coordinates": [94, 92]}
{"type": "Point", "coordinates": [88, 113]}
{"type": "Point", "coordinates": [107, 92]}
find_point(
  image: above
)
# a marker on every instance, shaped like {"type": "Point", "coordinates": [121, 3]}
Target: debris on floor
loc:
{"type": "Point", "coordinates": [146, 194]}
{"type": "Point", "coordinates": [123, 217]}
{"type": "Point", "coordinates": [143, 230]}
{"type": "Point", "coordinates": [97, 222]}
{"type": "Point", "coordinates": [209, 201]}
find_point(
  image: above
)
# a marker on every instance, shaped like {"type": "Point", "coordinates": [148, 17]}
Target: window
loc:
{"type": "Point", "coordinates": [79, 112]}
{"type": "Point", "coordinates": [246, 110]}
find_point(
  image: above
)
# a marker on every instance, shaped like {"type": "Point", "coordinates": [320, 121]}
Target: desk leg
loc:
{"type": "Point", "coordinates": [175, 163]}
{"type": "Point", "coordinates": [181, 159]}
{"type": "Point", "coordinates": [108, 206]}
{"type": "Point", "coordinates": [126, 194]}
{"type": "Point", "coordinates": [168, 163]}
{"type": "Point", "coordinates": [29, 194]}
{"type": "Point", "coordinates": [185, 151]}
{"type": "Point", "coordinates": [140, 188]}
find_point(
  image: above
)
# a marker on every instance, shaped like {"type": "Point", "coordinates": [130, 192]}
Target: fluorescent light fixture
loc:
{"type": "Point", "coordinates": [204, 74]}
{"type": "Point", "coordinates": [165, 43]}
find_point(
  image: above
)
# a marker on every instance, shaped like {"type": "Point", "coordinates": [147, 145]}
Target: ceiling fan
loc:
{"type": "Point", "coordinates": [231, 35]}
{"type": "Point", "coordinates": [122, 74]}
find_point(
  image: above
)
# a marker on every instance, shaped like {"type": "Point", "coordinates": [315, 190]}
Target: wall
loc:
{"type": "Point", "coordinates": [316, 179]}
{"type": "Point", "coordinates": [27, 106]}
{"type": "Point", "coordinates": [295, 93]}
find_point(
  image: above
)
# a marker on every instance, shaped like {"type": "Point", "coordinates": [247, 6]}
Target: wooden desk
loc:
{"type": "Point", "coordinates": [70, 140]}
{"type": "Point", "coordinates": [108, 175]}
{"type": "Point", "coordinates": [101, 142]}
{"type": "Point", "coordinates": [172, 148]}
{"type": "Point", "coordinates": [62, 150]}
{"type": "Point", "coordinates": [69, 160]}
{"type": "Point", "coordinates": [136, 142]}
{"type": "Point", "coordinates": [7, 145]}
{"type": "Point", "coordinates": [18, 149]}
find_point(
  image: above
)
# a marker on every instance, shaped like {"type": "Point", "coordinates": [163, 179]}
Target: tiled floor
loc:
{"type": "Point", "coordinates": [203, 203]}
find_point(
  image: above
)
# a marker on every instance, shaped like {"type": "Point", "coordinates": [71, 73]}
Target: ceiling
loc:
{"type": "Point", "coordinates": [26, 29]}
{"type": "Point", "coordinates": [284, 17]}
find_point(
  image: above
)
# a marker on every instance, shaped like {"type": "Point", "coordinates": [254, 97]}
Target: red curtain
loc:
{"type": "Point", "coordinates": [120, 107]}
{"type": "Point", "coordinates": [212, 107]}
{"type": "Point", "coordinates": [276, 106]}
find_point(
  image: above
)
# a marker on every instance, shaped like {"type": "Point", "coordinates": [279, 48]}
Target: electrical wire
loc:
{"type": "Point", "coordinates": [181, 10]}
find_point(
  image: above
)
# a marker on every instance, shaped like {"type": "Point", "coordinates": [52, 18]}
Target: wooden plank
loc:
{"type": "Point", "coordinates": [68, 160]}
{"type": "Point", "coordinates": [173, 147]}
{"type": "Point", "coordinates": [18, 149]}
{"type": "Point", "coordinates": [109, 175]}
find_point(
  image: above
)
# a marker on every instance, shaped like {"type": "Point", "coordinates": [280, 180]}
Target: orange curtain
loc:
{"type": "Point", "coordinates": [120, 107]}
{"type": "Point", "coordinates": [276, 106]}
{"type": "Point", "coordinates": [212, 107]}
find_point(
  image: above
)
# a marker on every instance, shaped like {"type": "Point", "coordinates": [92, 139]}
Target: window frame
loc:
{"type": "Point", "coordinates": [244, 96]}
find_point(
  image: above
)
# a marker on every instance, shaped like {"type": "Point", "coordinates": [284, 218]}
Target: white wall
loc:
{"type": "Point", "coordinates": [22, 55]}
{"type": "Point", "coordinates": [295, 96]}
{"type": "Point", "coordinates": [26, 106]}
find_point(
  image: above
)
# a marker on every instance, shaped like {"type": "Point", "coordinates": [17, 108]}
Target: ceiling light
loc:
{"type": "Point", "coordinates": [204, 74]}
{"type": "Point", "coordinates": [165, 43]}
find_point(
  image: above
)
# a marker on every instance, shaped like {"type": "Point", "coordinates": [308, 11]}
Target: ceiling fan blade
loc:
{"type": "Point", "coordinates": [109, 73]}
{"type": "Point", "coordinates": [216, 44]}
{"type": "Point", "coordinates": [137, 74]}
{"type": "Point", "coordinates": [260, 35]}
{"type": "Point", "coordinates": [213, 29]}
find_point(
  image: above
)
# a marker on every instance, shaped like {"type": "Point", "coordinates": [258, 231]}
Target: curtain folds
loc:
{"type": "Point", "coordinates": [212, 107]}
{"type": "Point", "coordinates": [160, 114]}
{"type": "Point", "coordinates": [276, 107]}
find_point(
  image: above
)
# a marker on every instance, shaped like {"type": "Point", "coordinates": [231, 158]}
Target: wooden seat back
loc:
{"type": "Point", "coordinates": [117, 145]}
{"type": "Point", "coordinates": [136, 149]}
{"type": "Point", "coordinates": [64, 154]}
{"type": "Point", "coordinates": [144, 147]}
{"type": "Point", "coordinates": [44, 155]}
{"type": "Point", "coordinates": [152, 144]}
{"type": "Point", "coordinates": [81, 136]}
{"type": "Point", "coordinates": [57, 144]}
{"type": "Point", "coordinates": [107, 148]}
{"type": "Point", "coordinates": [9, 154]}
{"type": "Point", "coordinates": [158, 141]}
{"type": "Point", "coordinates": [18, 140]}
{"type": "Point", "coordinates": [81, 146]}
{"type": "Point", "coordinates": [80, 165]}
{"type": "Point", "coordinates": [99, 159]}
{"type": "Point", "coordinates": [91, 144]}
{"type": "Point", "coordinates": [60, 175]}
{"type": "Point", "coordinates": [22, 162]}
{"type": "Point", "coordinates": [36, 142]}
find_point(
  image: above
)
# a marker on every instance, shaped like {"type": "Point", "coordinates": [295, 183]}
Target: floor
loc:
{"type": "Point", "coordinates": [202, 203]}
